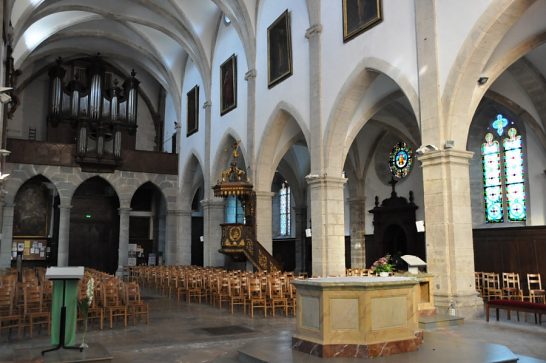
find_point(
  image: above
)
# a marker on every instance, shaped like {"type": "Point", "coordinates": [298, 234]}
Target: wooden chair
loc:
{"type": "Point", "coordinates": [34, 312]}
{"type": "Point", "coordinates": [236, 294]}
{"type": "Point", "coordinates": [276, 297]}
{"type": "Point", "coordinates": [112, 302]}
{"type": "Point", "coordinates": [223, 291]}
{"type": "Point", "coordinates": [181, 285]}
{"type": "Point", "coordinates": [511, 289]}
{"type": "Point", "coordinates": [9, 318]}
{"type": "Point", "coordinates": [136, 308]}
{"type": "Point", "coordinates": [536, 292]}
{"type": "Point", "coordinates": [255, 297]}
{"type": "Point", "coordinates": [195, 288]}
{"type": "Point", "coordinates": [491, 286]}
{"type": "Point", "coordinates": [291, 299]}
{"type": "Point", "coordinates": [478, 278]}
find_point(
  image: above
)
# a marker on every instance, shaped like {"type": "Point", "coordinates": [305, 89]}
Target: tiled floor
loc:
{"type": "Point", "coordinates": [199, 333]}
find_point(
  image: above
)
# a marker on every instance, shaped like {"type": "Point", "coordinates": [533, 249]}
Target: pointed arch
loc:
{"type": "Point", "coordinates": [340, 125]}
{"type": "Point", "coordinates": [284, 128]}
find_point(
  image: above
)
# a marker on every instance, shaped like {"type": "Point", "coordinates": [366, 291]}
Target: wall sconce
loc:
{"type": "Point", "coordinates": [483, 80]}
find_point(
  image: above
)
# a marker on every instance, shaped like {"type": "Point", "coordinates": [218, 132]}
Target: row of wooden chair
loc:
{"type": "Point", "coordinates": [250, 291]}
{"type": "Point", "coordinates": [27, 304]}
{"type": "Point", "coordinates": [491, 286]}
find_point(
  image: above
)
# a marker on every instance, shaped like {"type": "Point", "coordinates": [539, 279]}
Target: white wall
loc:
{"type": "Point", "coordinates": [233, 122]}
{"type": "Point", "coordinates": [32, 111]}
{"type": "Point", "coordinates": [293, 90]}
{"type": "Point", "coordinates": [170, 118]}
{"type": "Point", "coordinates": [391, 42]}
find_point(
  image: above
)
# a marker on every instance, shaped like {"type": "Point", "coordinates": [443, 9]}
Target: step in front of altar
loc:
{"type": "Point", "coordinates": [96, 353]}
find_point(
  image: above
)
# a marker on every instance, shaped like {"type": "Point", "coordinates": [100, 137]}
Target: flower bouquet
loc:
{"type": "Point", "coordinates": [383, 266]}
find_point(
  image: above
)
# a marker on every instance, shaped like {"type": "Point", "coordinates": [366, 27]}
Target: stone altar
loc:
{"type": "Point", "coordinates": [357, 317]}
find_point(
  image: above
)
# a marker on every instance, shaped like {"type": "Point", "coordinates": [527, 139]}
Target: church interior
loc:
{"type": "Point", "coordinates": [181, 149]}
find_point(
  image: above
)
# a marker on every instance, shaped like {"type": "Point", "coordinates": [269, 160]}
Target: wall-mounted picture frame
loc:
{"type": "Point", "coordinates": [359, 16]}
{"type": "Point", "coordinates": [279, 50]}
{"type": "Point", "coordinates": [193, 111]}
{"type": "Point", "coordinates": [228, 85]}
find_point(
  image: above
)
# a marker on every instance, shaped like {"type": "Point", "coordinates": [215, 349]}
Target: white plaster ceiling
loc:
{"type": "Point", "coordinates": [155, 36]}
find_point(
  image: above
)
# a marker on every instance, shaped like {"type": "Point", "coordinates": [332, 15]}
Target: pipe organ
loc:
{"type": "Point", "coordinates": [93, 111]}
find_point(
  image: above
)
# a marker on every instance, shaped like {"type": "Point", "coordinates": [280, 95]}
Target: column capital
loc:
{"type": "Point", "coordinates": [8, 205]}
{"type": "Point", "coordinates": [124, 210]}
{"type": "Point", "coordinates": [315, 180]}
{"type": "Point", "coordinates": [357, 200]}
{"type": "Point", "coordinates": [436, 157]}
{"type": "Point", "coordinates": [263, 194]}
{"type": "Point", "coordinates": [313, 30]}
{"type": "Point", "coordinates": [65, 206]}
{"type": "Point", "coordinates": [179, 212]}
{"type": "Point", "coordinates": [207, 104]}
{"type": "Point", "coordinates": [251, 74]}
{"type": "Point", "coordinates": [216, 202]}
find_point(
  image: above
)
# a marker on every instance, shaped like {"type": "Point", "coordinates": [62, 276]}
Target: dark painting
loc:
{"type": "Point", "coordinates": [359, 15]}
{"type": "Point", "coordinates": [193, 111]}
{"type": "Point", "coordinates": [228, 77]}
{"type": "Point", "coordinates": [32, 210]}
{"type": "Point", "coordinates": [279, 50]}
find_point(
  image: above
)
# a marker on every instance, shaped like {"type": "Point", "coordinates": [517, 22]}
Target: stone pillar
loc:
{"type": "Point", "coordinates": [213, 215]}
{"type": "Point", "coordinates": [328, 225]}
{"type": "Point", "coordinates": [7, 236]}
{"type": "Point", "coordinates": [250, 78]}
{"type": "Point", "coordinates": [264, 219]}
{"type": "Point", "coordinates": [358, 212]}
{"type": "Point", "coordinates": [64, 235]}
{"type": "Point", "coordinates": [183, 238]}
{"type": "Point", "coordinates": [123, 249]}
{"type": "Point", "coordinates": [300, 219]}
{"type": "Point", "coordinates": [171, 230]}
{"type": "Point", "coordinates": [448, 222]}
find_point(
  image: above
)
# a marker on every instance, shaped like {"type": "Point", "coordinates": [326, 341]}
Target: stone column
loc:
{"type": "Point", "coordinates": [123, 249]}
{"type": "Point", "coordinates": [264, 219]}
{"type": "Point", "coordinates": [250, 78]}
{"type": "Point", "coordinates": [328, 225]}
{"type": "Point", "coordinates": [7, 236]}
{"type": "Point", "coordinates": [448, 222]}
{"type": "Point", "coordinates": [300, 219]}
{"type": "Point", "coordinates": [183, 238]}
{"type": "Point", "coordinates": [64, 235]}
{"type": "Point", "coordinates": [213, 215]}
{"type": "Point", "coordinates": [357, 209]}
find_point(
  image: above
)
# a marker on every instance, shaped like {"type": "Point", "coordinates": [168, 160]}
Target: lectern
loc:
{"type": "Point", "coordinates": [64, 305]}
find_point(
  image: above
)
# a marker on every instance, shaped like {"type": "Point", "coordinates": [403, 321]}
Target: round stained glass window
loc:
{"type": "Point", "coordinates": [401, 160]}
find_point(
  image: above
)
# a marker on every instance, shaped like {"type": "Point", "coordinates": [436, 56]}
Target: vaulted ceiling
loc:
{"type": "Point", "coordinates": [156, 37]}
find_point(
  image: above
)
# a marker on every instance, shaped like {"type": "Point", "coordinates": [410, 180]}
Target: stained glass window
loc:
{"type": "Point", "coordinates": [503, 178]}
{"type": "Point", "coordinates": [284, 206]}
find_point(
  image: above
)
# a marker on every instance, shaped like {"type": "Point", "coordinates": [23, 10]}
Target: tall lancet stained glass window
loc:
{"type": "Point", "coordinates": [503, 178]}
{"type": "Point", "coordinates": [284, 206]}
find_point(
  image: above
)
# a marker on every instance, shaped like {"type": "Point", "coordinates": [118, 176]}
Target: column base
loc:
{"type": "Point", "coordinates": [358, 350]}
{"type": "Point", "coordinates": [468, 306]}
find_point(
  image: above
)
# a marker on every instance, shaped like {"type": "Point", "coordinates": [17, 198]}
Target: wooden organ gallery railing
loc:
{"type": "Point", "coordinates": [239, 239]}
{"type": "Point", "coordinates": [100, 115]}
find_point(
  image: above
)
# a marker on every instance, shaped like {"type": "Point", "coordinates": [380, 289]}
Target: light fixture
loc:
{"type": "Point", "coordinates": [483, 80]}
{"type": "Point", "coordinates": [227, 20]}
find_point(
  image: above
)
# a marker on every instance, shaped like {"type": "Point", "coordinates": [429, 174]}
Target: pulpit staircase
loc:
{"type": "Point", "coordinates": [239, 243]}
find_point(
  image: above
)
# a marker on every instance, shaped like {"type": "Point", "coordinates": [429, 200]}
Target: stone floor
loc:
{"type": "Point", "coordinates": [199, 333]}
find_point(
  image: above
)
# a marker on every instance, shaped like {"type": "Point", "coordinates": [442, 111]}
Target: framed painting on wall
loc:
{"type": "Point", "coordinates": [193, 111]}
{"type": "Point", "coordinates": [279, 50]}
{"type": "Point", "coordinates": [359, 16]}
{"type": "Point", "coordinates": [228, 88]}
{"type": "Point", "coordinates": [32, 210]}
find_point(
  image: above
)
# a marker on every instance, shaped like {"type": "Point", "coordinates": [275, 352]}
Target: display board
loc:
{"type": "Point", "coordinates": [33, 249]}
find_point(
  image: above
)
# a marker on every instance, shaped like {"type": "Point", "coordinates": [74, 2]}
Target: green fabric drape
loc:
{"type": "Point", "coordinates": [71, 303]}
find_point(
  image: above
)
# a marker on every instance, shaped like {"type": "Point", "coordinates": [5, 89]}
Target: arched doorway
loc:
{"type": "Point", "coordinates": [94, 226]}
{"type": "Point", "coordinates": [197, 228]}
{"type": "Point", "coordinates": [147, 223]}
